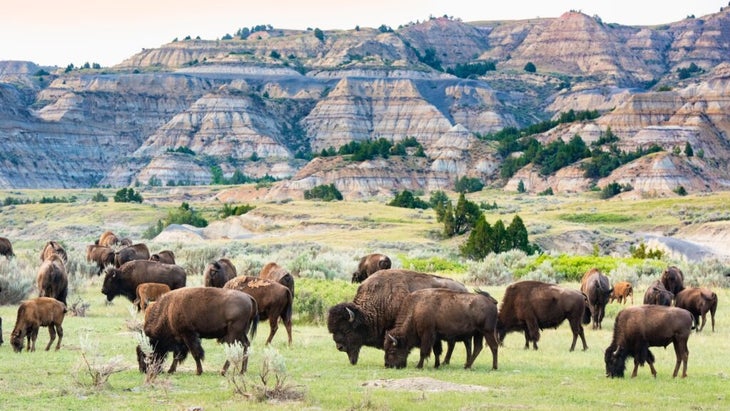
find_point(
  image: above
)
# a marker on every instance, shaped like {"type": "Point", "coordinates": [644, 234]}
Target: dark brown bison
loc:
{"type": "Point", "coordinates": [436, 313]}
{"type": "Point", "coordinates": [103, 256]}
{"type": "Point", "coordinates": [375, 308]}
{"type": "Point", "coordinates": [133, 252]}
{"type": "Point", "coordinates": [673, 280]}
{"type": "Point", "coordinates": [274, 301]}
{"type": "Point", "coordinates": [597, 289]}
{"type": "Point", "coordinates": [698, 301]}
{"type": "Point", "coordinates": [52, 280]}
{"type": "Point", "coordinates": [656, 294]}
{"type": "Point", "coordinates": [638, 328]}
{"type": "Point", "coordinates": [125, 279]}
{"type": "Point", "coordinates": [6, 248]}
{"type": "Point", "coordinates": [530, 306]}
{"type": "Point", "coordinates": [36, 313]}
{"type": "Point", "coordinates": [164, 256]}
{"type": "Point", "coordinates": [148, 292]}
{"type": "Point", "coordinates": [180, 318]}
{"type": "Point", "coordinates": [54, 247]}
{"type": "Point", "coordinates": [370, 264]}
{"type": "Point", "coordinates": [275, 272]}
{"type": "Point", "coordinates": [108, 239]}
{"type": "Point", "coordinates": [621, 292]}
{"type": "Point", "coordinates": [218, 273]}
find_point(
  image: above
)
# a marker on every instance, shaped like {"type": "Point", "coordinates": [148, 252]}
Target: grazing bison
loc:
{"type": "Point", "coordinates": [108, 239]}
{"type": "Point", "coordinates": [130, 253]}
{"type": "Point", "coordinates": [597, 289]}
{"type": "Point", "coordinates": [621, 292]}
{"type": "Point", "coordinates": [656, 294]}
{"type": "Point", "coordinates": [530, 306]}
{"type": "Point", "coordinates": [101, 255]}
{"type": "Point", "coordinates": [36, 313]}
{"type": "Point", "coordinates": [180, 318]}
{"type": "Point", "coordinates": [638, 328]}
{"type": "Point", "coordinates": [52, 280]}
{"type": "Point", "coordinates": [164, 256]}
{"type": "Point", "coordinates": [218, 273]}
{"type": "Point", "coordinates": [437, 313]}
{"type": "Point", "coordinates": [6, 248]}
{"type": "Point", "coordinates": [698, 301]}
{"type": "Point", "coordinates": [125, 279]}
{"type": "Point", "coordinates": [370, 264]}
{"type": "Point", "coordinates": [673, 280]}
{"type": "Point", "coordinates": [375, 308]}
{"type": "Point", "coordinates": [54, 247]}
{"type": "Point", "coordinates": [274, 301]}
{"type": "Point", "coordinates": [148, 292]}
{"type": "Point", "coordinates": [275, 272]}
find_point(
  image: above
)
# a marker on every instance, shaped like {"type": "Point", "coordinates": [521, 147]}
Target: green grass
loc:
{"type": "Point", "coordinates": [594, 218]}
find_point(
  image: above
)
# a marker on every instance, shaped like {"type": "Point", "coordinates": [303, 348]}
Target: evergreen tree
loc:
{"type": "Point", "coordinates": [449, 221]}
{"type": "Point", "coordinates": [477, 245]}
{"type": "Point", "coordinates": [517, 233]}
{"type": "Point", "coordinates": [500, 242]}
{"type": "Point", "coordinates": [688, 150]}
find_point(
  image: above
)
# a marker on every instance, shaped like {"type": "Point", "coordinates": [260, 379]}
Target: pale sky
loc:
{"type": "Point", "coordinates": [59, 32]}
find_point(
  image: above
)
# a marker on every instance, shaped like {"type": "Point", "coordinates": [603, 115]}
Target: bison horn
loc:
{"type": "Point", "coordinates": [351, 314]}
{"type": "Point", "coordinates": [395, 340]}
{"type": "Point", "coordinates": [618, 348]}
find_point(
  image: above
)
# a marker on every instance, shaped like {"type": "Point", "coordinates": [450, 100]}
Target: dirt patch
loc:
{"type": "Point", "coordinates": [422, 384]}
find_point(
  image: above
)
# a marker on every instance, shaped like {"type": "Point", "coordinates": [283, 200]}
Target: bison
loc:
{"type": "Point", "coordinates": [101, 255]}
{"type": "Point", "coordinates": [673, 280]}
{"type": "Point", "coordinates": [375, 308]}
{"type": "Point", "coordinates": [698, 301]}
{"type": "Point", "coordinates": [147, 292]}
{"type": "Point", "coordinates": [432, 313]}
{"type": "Point", "coordinates": [107, 239]}
{"type": "Point", "coordinates": [52, 280]}
{"type": "Point", "coordinates": [180, 318]}
{"type": "Point", "coordinates": [621, 292]}
{"type": "Point", "coordinates": [133, 252]}
{"type": "Point", "coordinates": [54, 247]}
{"type": "Point", "coordinates": [370, 264]}
{"type": "Point", "coordinates": [638, 328]}
{"type": "Point", "coordinates": [274, 301]}
{"type": "Point", "coordinates": [125, 279]}
{"type": "Point", "coordinates": [530, 306]}
{"type": "Point", "coordinates": [275, 272]}
{"type": "Point", "coordinates": [656, 294]}
{"type": "Point", "coordinates": [6, 248]}
{"type": "Point", "coordinates": [218, 273]}
{"type": "Point", "coordinates": [164, 256]}
{"type": "Point", "coordinates": [597, 289]}
{"type": "Point", "coordinates": [36, 313]}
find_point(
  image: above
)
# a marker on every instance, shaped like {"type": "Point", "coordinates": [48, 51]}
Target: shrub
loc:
{"type": "Point", "coordinates": [530, 67]}
{"type": "Point", "coordinates": [127, 195]}
{"type": "Point", "coordinates": [229, 210]}
{"type": "Point", "coordinates": [99, 197]}
{"type": "Point", "coordinates": [406, 199]}
{"type": "Point", "coordinates": [468, 185]}
{"type": "Point", "coordinates": [17, 279]}
{"type": "Point", "coordinates": [323, 192]}
{"type": "Point", "coordinates": [496, 269]}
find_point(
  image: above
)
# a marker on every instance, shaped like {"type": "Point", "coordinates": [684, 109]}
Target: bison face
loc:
{"type": "Point", "coordinates": [673, 279]}
{"type": "Point", "coordinates": [109, 288]}
{"type": "Point", "coordinates": [615, 358]}
{"type": "Point", "coordinates": [346, 323]}
{"type": "Point", "coordinates": [16, 340]}
{"type": "Point", "coordinates": [500, 332]}
{"type": "Point", "coordinates": [396, 352]}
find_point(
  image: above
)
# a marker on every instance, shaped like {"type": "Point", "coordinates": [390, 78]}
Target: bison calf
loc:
{"type": "Point", "coordinates": [36, 313]}
{"type": "Point", "coordinates": [657, 294]}
{"type": "Point", "coordinates": [273, 299]}
{"type": "Point", "coordinates": [621, 292]}
{"type": "Point", "coordinates": [698, 301]}
{"type": "Point", "coordinates": [147, 292]}
{"type": "Point", "coordinates": [638, 328]}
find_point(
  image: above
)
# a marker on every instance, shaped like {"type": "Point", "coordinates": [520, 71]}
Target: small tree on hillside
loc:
{"type": "Point", "coordinates": [530, 67]}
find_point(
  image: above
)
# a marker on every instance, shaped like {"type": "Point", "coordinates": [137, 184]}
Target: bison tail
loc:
{"type": "Point", "coordinates": [289, 308]}
{"type": "Point", "coordinates": [254, 326]}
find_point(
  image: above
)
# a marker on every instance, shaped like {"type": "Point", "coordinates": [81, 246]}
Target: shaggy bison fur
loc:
{"type": "Point", "coordinates": [36, 313]}
{"type": "Point", "coordinates": [108, 239]}
{"type": "Point", "coordinates": [164, 256]}
{"type": "Point", "coordinates": [370, 264]}
{"type": "Point", "coordinates": [54, 247]}
{"type": "Point", "coordinates": [52, 280]}
{"type": "Point", "coordinates": [274, 301]}
{"type": "Point", "coordinates": [218, 273]}
{"type": "Point", "coordinates": [130, 253]}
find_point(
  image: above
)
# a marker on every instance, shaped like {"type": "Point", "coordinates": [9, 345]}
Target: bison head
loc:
{"type": "Point", "coordinates": [615, 358]}
{"type": "Point", "coordinates": [359, 276]}
{"type": "Point", "coordinates": [500, 332]}
{"type": "Point", "coordinates": [347, 325]}
{"type": "Point", "coordinates": [396, 351]}
{"type": "Point", "coordinates": [16, 340]}
{"type": "Point", "coordinates": [110, 288]}
{"type": "Point", "coordinates": [673, 279]}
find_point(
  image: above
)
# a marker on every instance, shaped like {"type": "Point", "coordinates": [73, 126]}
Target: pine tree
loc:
{"type": "Point", "coordinates": [477, 246]}
{"type": "Point", "coordinates": [449, 221]}
{"type": "Point", "coordinates": [517, 233]}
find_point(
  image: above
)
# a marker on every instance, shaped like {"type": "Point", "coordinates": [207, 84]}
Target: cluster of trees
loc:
{"type": "Point", "coordinates": [687, 72]}
{"type": "Point", "coordinates": [472, 69]}
{"type": "Point", "coordinates": [549, 158]}
{"type": "Point", "coordinates": [614, 189]}
{"type": "Point", "coordinates": [217, 177]}
{"type": "Point", "coordinates": [127, 195]}
{"type": "Point", "coordinates": [368, 150]}
{"type": "Point", "coordinates": [406, 199]}
{"type": "Point", "coordinates": [229, 210]}
{"type": "Point", "coordinates": [323, 192]}
{"type": "Point", "coordinates": [603, 162]}
{"type": "Point", "coordinates": [181, 215]}
{"type": "Point", "coordinates": [181, 149]}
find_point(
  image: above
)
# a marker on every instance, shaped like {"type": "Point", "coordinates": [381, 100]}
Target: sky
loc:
{"type": "Point", "coordinates": [58, 33]}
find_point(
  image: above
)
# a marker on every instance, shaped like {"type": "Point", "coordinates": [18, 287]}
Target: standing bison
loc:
{"type": "Point", "coordinates": [698, 301]}
{"type": "Point", "coordinates": [107, 239]}
{"type": "Point", "coordinates": [274, 301]}
{"type": "Point", "coordinates": [54, 247]}
{"type": "Point", "coordinates": [638, 328]}
{"type": "Point", "coordinates": [437, 313]}
{"type": "Point", "coordinates": [130, 253]}
{"type": "Point", "coordinates": [36, 313]}
{"type": "Point", "coordinates": [375, 308]}
{"type": "Point", "coordinates": [370, 264]}
{"type": "Point", "coordinates": [6, 248]}
{"type": "Point", "coordinates": [530, 306]}
{"type": "Point", "coordinates": [673, 280]}
{"type": "Point", "coordinates": [275, 272]}
{"type": "Point", "coordinates": [180, 318]}
{"type": "Point", "coordinates": [218, 273]}
{"type": "Point", "coordinates": [101, 255]}
{"type": "Point", "coordinates": [597, 289]}
{"type": "Point", "coordinates": [621, 292]}
{"type": "Point", "coordinates": [52, 280]}
{"type": "Point", "coordinates": [657, 294]}
{"type": "Point", "coordinates": [149, 292]}
{"type": "Point", "coordinates": [125, 279]}
{"type": "Point", "coordinates": [164, 256]}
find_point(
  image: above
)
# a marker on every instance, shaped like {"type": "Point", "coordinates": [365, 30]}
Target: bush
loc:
{"type": "Point", "coordinates": [99, 197]}
{"type": "Point", "coordinates": [323, 192]}
{"type": "Point", "coordinates": [530, 67]}
{"type": "Point", "coordinates": [468, 185]}
{"type": "Point", "coordinates": [315, 296]}
{"type": "Point", "coordinates": [127, 195]}
{"type": "Point", "coordinates": [229, 210]}
{"type": "Point", "coordinates": [406, 199]}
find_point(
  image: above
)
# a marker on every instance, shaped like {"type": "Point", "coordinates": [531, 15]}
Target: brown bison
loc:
{"type": "Point", "coordinates": [437, 313]}
{"type": "Point", "coordinates": [638, 328]}
{"type": "Point", "coordinates": [180, 318]}
{"type": "Point", "coordinates": [54, 247]}
{"type": "Point", "coordinates": [597, 289]}
{"type": "Point", "coordinates": [133, 252]}
{"type": "Point", "coordinates": [36, 313]}
{"type": "Point", "coordinates": [52, 280]}
{"type": "Point", "coordinates": [6, 248]}
{"type": "Point", "coordinates": [274, 301]}
{"type": "Point", "coordinates": [656, 294]}
{"type": "Point", "coordinates": [673, 280]}
{"type": "Point", "coordinates": [530, 306]}
{"type": "Point", "coordinates": [370, 264]}
{"type": "Point", "coordinates": [164, 256]}
{"type": "Point", "coordinates": [275, 272]}
{"type": "Point", "coordinates": [125, 279]}
{"type": "Point", "coordinates": [698, 301]}
{"type": "Point", "coordinates": [107, 239]}
{"type": "Point", "coordinates": [375, 308]}
{"type": "Point", "coordinates": [621, 292]}
{"type": "Point", "coordinates": [103, 256]}
{"type": "Point", "coordinates": [148, 292]}
{"type": "Point", "coordinates": [218, 273]}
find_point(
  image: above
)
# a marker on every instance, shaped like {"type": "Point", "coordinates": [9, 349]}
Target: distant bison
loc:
{"type": "Point", "coordinates": [125, 279]}
{"type": "Point", "coordinates": [180, 318]}
{"type": "Point", "coordinates": [132, 252]}
{"type": "Point", "coordinates": [274, 301]}
{"type": "Point", "coordinates": [218, 273]}
{"type": "Point", "coordinates": [54, 247]}
{"type": "Point", "coordinates": [673, 280]}
{"type": "Point", "coordinates": [107, 239]}
{"type": "Point", "coordinates": [698, 301]}
{"type": "Point", "coordinates": [621, 292]}
{"type": "Point", "coordinates": [370, 264]}
{"type": "Point", "coordinates": [52, 280]}
{"type": "Point", "coordinates": [36, 313]}
{"type": "Point", "coordinates": [638, 328]}
{"type": "Point", "coordinates": [6, 248]}
{"type": "Point", "coordinates": [530, 306]}
{"type": "Point", "coordinates": [274, 272]}
{"type": "Point", "coordinates": [164, 256]}
{"type": "Point", "coordinates": [597, 289]}
{"type": "Point", "coordinates": [148, 292]}
{"type": "Point", "coordinates": [657, 294]}
{"type": "Point", "coordinates": [103, 256]}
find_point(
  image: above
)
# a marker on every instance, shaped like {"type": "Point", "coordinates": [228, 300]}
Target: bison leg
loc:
{"type": "Point", "coordinates": [493, 346]}
{"type": "Point", "coordinates": [287, 326]}
{"type": "Point", "coordinates": [273, 326]}
{"type": "Point", "coordinates": [682, 353]}
{"type": "Point", "coordinates": [193, 343]}
{"type": "Point", "coordinates": [636, 368]}
{"type": "Point", "coordinates": [59, 330]}
{"type": "Point", "coordinates": [704, 319]}
{"type": "Point", "coordinates": [533, 331]}
{"type": "Point", "coordinates": [32, 336]}
{"type": "Point", "coordinates": [52, 333]}
{"type": "Point", "coordinates": [427, 343]}
{"type": "Point", "coordinates": [577, 329]}
{"type": "Point", "coordinates": [478, 344]}
{"type": "Point", "coordinates": [450, 344]}
{"type": "Point", "coordinates": [438, 349]}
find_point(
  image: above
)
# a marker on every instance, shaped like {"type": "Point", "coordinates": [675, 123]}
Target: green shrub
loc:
{"type": "Point", "coordinates": [99, 197]}
{"type": "Point", "coordinates": [323, 192]}
{"type": "Point", "coordinates": [315, 296]}
{"type": "Point", "coordinates": [432, 264]}
{"type": "Point", "coordinates": [229, 210]}
{"type": "Point", "coordinates": [406, 199]}
{"type": "Point", "coordinates": [127, 195]}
